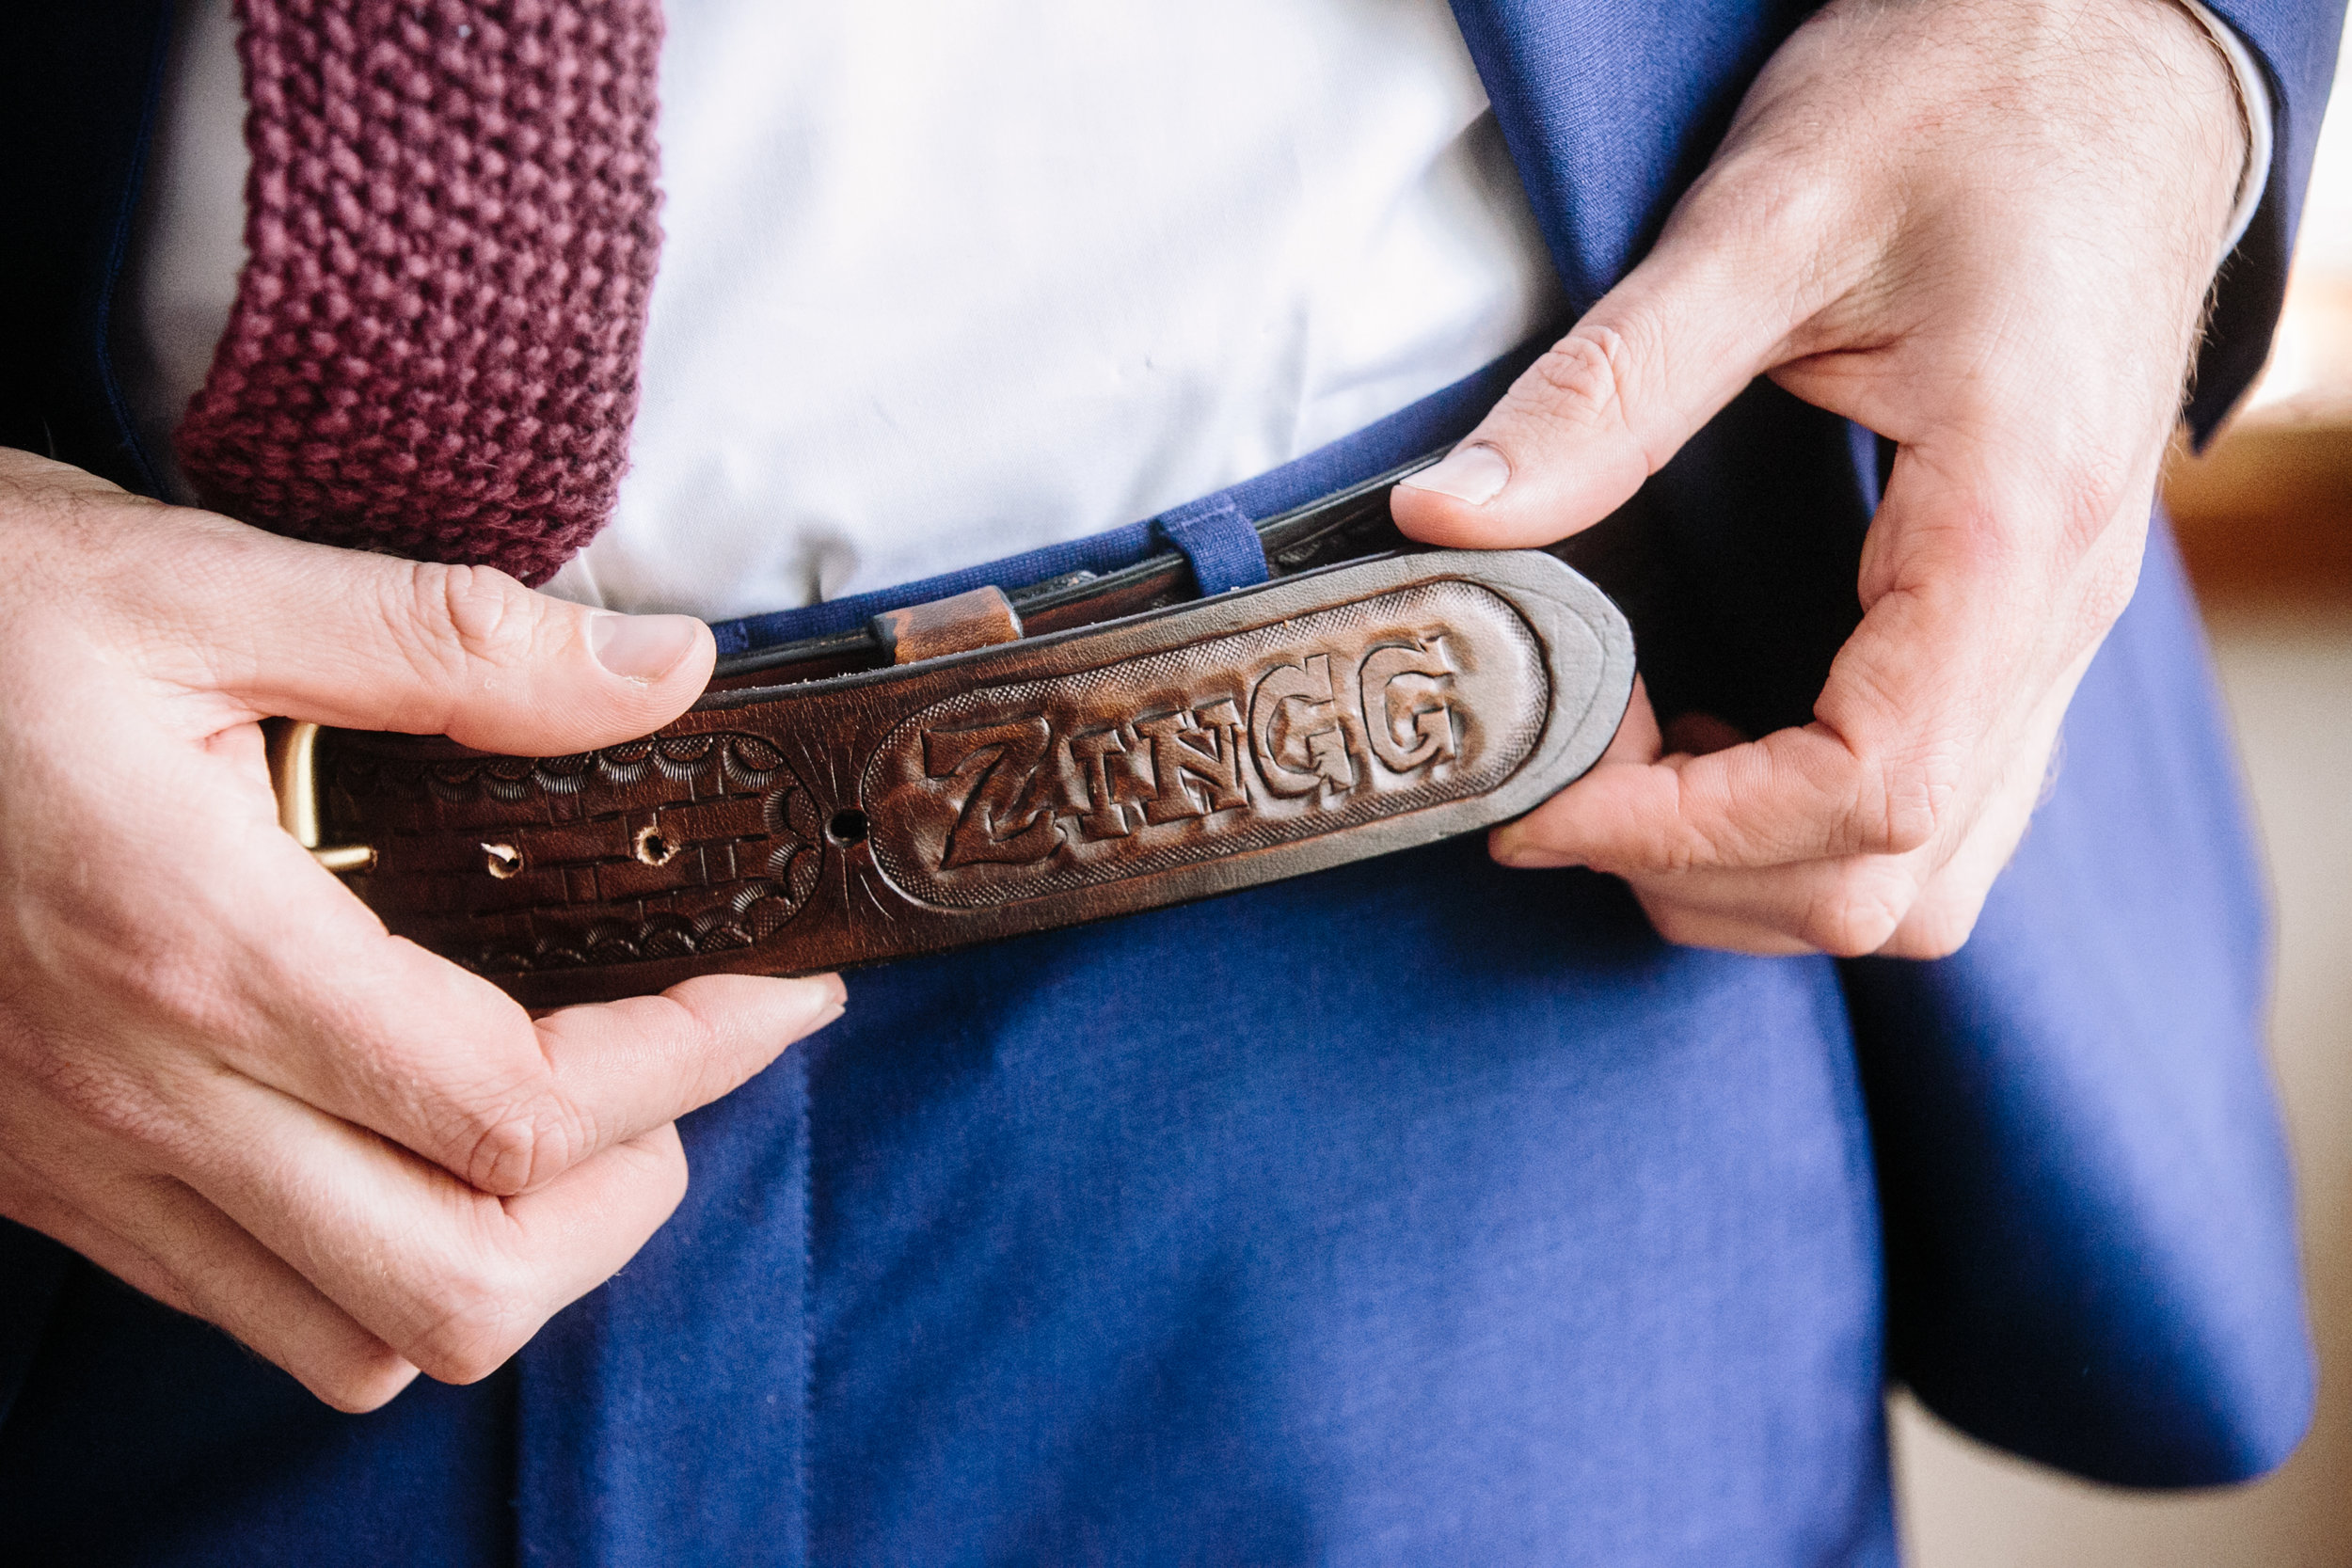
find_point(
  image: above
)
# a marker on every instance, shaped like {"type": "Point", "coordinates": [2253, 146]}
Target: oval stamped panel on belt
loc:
{"type": "Point", "coordinates": [1305, 726]}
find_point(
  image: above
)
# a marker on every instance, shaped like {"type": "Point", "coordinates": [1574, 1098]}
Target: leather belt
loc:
{"type": "Point", "coordinates": [994, 763]}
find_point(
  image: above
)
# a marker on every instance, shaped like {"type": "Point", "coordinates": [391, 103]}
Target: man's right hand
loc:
{"type": "Point", "coordinates": [221, 1078]}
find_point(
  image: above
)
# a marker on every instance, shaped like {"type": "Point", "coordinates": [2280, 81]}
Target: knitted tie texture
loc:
{"type": "Point", "coordinates": [451, 236]}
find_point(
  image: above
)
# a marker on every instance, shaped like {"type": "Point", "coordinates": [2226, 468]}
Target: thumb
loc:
{"type": "Point", "coordinates": [1604, 408]}
{"type": "Point", "coordinates": [367, 642]}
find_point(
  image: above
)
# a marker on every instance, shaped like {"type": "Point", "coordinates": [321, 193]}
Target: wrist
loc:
{"type": "Point", "coordinates": [2254, 118]}
{"type": "Point", "coordinates": [2211, 79]}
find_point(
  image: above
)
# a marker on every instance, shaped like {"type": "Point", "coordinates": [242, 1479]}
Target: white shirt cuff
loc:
{"type": "Point", "coordinates": [2253, 96]}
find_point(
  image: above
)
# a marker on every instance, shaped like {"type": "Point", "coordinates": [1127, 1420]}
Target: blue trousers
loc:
{"type": "Point", "coordinates": [1420, 1211]}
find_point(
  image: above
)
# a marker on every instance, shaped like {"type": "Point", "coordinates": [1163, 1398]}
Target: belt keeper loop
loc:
{"type": "Point", "coordinates": [1220, 540]}
{"type": "Point", "coordinates": [976, 618]}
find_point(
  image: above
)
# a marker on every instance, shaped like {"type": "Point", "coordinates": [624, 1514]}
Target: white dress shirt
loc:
{"type": "Point", "coordinates": [949, 279]}
{"type": "Point", "coordinates": [945, 280]}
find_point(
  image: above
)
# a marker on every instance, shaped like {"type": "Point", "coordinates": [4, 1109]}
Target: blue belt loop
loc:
{"type": "Point", "coordinates": [1220, 540]}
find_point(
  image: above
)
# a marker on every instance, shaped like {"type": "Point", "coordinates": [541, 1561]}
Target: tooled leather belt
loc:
{"type": "Point", "coordinates": [994, 763]}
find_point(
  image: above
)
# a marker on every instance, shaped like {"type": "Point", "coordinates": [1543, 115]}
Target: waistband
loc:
{"type": "Point", "coordinates": [1439, 419]}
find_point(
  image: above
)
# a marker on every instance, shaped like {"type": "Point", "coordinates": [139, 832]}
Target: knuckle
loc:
{"type": "Point", "coordinates": [1580, 380]}
{"type": "Point", "coordinates": [1767, 206]}
{"type": "Point", "coordinates": [517, 1146]}
{"type": "Point", "coordinates": [361, 1382]}
{"type": "Point", "coordinates": [1913, 805]}
{"type": "Point", "coordinates": [187, 1002]}
{"type": "Point", "coordinates": [1940, 938]}
{"type": "Point", "coordinates": [1671, 921]}
{"type": "Point", "coordinates": [138, 1105]}
{"type": "Point", "coordinates": [149, 1066]}
{"type": "Point", "coordinates": [479, 1318]}
{"type": "Point", "coordinates": [451, 616]}
{"type": "Point", "coordinates": [1858, 913]}
{"type": "Point", "coordinates": [1940, 923]}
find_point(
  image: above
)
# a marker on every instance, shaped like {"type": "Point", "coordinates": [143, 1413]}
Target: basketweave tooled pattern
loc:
{"type": "Point", "coordinates": [451, 237]}
{"type": "Point", "coordinates": [707, 842]}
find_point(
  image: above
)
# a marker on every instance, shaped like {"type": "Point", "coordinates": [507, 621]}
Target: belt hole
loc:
{"type": "Point", "coordinates": [847, 826]}
{"type": "Point", "coordinates": [501, 859]}
{"type": "Point", "coordinates": [653, 848]}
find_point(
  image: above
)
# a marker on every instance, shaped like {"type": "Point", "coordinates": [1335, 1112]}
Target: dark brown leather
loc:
{"type": "Point", "coordinates": [1066, 777]}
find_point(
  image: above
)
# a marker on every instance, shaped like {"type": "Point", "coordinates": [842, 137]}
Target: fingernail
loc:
{"type": "Point", "coordinates": [1535, 859]}
{"type": "Point", "coordinates": [642, 647]}
{"type": "Point", "coordinates": [1518, 856]}
{"type": "Point", "coordinates": [816, 1000]}
{"type": "Point", "coordinates": [1476, 474]}
{"type": "Point", "coordinates": [831, 997]}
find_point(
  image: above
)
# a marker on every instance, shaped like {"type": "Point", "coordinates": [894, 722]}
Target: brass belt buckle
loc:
{"type": "Point", "coordinates": [293, 747]}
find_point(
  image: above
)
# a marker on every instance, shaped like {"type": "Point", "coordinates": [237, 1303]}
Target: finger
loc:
{"type": "Point", "coordinates": [1773, 912]}
{"type": "Point", "coordinates": [1893, 905]}
{"type": "Point", "coordinates": [393, 1039]}
{"type": "Point", "coordinates": [1845, 907]}
{"type": "Point", "coordinates": [30, 1201]}
{"type": "Point", "coordinates": [530, 1256]}
{"type": "Point", "coordinates": [1709, 311]}
{"type": "Point", "coordinates": [242, 955]}
{"type": "Point", "coordinates": [1941, 920]}
{"type": "Point", "coordinates": [1974, 625]}
{"type": "Point", "coordinates": [625, 1068]}
{"type": "Point", "coordinates": [1526, 843]}
{"type": "Point", "coordinates": [1686, 925]}
{"type": "Point", "coordinates": [1636, 744]}
{"type": "Point", "coordinates": [164, 1239]}
{"type": "Point", "coordinates": [1529, 843]}
{"type": "Point", "coordinates": [1794, 796]}
{"type": "Point", "coordinates": [369, 642]}
{"type": "Point", "coordinates": [1923, 905]}
{"type": "Point", "coordinates": [1945, 912]}
{"type": "Point", "coordinates": [452, 1280]}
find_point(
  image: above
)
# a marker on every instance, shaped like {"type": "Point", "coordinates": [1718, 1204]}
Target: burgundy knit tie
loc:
{"type": "Point", "coordinates": [451, 234]}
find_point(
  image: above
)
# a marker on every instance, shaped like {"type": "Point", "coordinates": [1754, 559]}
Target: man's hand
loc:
{"type": "Point", "coordinates": [219, 1077]}
{"type": "Point", "coordinates": [1983, 230]}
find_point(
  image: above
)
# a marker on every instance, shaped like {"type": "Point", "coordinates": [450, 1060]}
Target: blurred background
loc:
{"type": "Point", "coordinates": [2265, 517]}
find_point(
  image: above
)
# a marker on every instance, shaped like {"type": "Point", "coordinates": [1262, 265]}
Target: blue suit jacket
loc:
{"type": "Point", "coordinates": [1415, 1212]}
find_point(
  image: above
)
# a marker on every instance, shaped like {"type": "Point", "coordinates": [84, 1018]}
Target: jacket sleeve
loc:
{"type": "Point", "coordinates": [2296, 43]}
